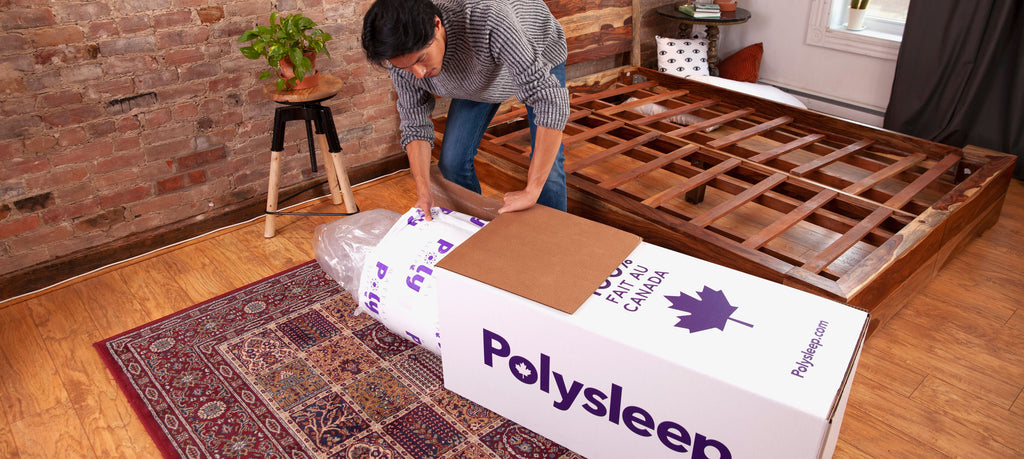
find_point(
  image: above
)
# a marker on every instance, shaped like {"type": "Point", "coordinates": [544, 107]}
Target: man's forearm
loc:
{"type": "Point", "coordinates": [418, 152]}
{"type": "Point", "coordinates": [545, 151]}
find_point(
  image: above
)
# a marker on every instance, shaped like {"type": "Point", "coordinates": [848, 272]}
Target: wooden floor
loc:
{"type": "Point", "coordinates": [943, 378]}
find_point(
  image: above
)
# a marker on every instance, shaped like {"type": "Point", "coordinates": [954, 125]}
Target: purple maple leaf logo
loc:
{"type": "Point", "coordinates": [712, 310]}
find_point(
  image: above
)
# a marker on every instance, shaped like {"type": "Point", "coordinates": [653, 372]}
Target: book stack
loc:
{"type": "Point", "coordinates": [701, 10]}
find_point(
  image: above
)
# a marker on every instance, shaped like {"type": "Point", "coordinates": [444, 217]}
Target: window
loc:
{"type": "Point", "coordinates": [880, 38]}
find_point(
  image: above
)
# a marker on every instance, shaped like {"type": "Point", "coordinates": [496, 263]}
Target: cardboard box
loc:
{"type": "Point", "coordinates": [670, 356]}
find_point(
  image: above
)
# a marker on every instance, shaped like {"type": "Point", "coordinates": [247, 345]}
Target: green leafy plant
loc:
{"type": "Point", "coordinates": [859, 4]}
{"type": "Point", "coordinates": [288, 38]}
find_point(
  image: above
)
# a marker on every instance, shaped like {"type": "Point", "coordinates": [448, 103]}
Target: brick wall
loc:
{"type": "Point", "coordinates": [119, 117]}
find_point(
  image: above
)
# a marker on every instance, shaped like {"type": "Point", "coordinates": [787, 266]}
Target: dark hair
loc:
{"type": "Point", "coordinates": [393, 28]}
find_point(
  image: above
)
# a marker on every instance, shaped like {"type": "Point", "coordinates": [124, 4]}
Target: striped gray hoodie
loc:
{"type": "Point", "coordinates": [495, 49]}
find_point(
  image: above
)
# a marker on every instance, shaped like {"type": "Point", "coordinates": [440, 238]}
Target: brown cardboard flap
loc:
{"type": "Point", "coordinates": [548, 256]}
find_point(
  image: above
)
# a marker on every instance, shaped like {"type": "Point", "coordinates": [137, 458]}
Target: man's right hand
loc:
{"type": "Point", "coordinates": [424, 203]}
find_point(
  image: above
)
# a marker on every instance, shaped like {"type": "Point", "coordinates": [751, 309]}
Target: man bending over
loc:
{"type": "Point", "coordinates": [478, 53]}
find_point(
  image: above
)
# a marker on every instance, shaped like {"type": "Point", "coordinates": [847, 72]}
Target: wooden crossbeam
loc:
{"type": "Point", "coordinates": [620, 179]}
{"type": "Point", "coordinates": [780, 150]}
{"type": "Point", "coordinates": [847, 240]}
{"type": "Point", "coordinates": [735, 202]}
{"type": "Point", "coordinates": [893, 169]}
{"type": "Point", "coordinates": [579, 99]}
{"type": "Point", "coordinates": [831, 157]}
{"type": "Point", "coordinates": [611, 152]}
{"type": "Point", "coordinates": [673, 112]}
{"type": "Point", "coordinates": [683, 132]}
{"type": "Point", "coordinates": [641, 102]}
{"type": "Point", "coordinates": [790, 219]}
{"type": "Point", "coordinates": [749, 132]}
{"type": "Point", "coordinates": [691, 183]}
{"type": "Point", "coordinates": [904, 196]}
{"type": "Point", "coordinates": [587, 134]}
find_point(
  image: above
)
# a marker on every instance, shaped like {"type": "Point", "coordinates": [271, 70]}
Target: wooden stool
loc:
{"type": "Point", "coordinates": [304, 104]}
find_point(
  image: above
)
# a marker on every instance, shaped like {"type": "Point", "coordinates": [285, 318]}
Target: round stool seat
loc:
{"type": "Point", "coordinates": [328, 86]}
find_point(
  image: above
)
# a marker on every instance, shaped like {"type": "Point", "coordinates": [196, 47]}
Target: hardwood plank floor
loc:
{"type": "Point", "coordinates": [942, 378]}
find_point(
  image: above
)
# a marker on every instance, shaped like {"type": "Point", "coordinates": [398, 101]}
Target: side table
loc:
{"type": "Point", "coordinates": [304, 104]}
{"type": "Point", "coordinates": [686, 23]}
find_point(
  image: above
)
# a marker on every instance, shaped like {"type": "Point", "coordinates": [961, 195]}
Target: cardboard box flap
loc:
{"type": "Point", "coordinates": [551, 257]}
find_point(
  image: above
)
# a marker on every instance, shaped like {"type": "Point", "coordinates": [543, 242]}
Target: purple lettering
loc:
{"type": "Point", "coordinates": [673, 436]}
{"type": "Point", "coordinates": [594, 405]}
{"type": "Point", "coordinates": [568, 396]}
{"type": "Point", "coordinates": [700, 443]}
{"type": "Point", "coordinates": [634, 415]}
{"type": "Point", "coordinates": [490, 339]}
{"type": "Point", "coordinates": [616, 403]}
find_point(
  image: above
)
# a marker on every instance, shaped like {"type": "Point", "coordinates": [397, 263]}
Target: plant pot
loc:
{"type": "Point", "coordinates": [726, 5]}
{"type": "Point", "coordinates": [856, 21]}
{"type": "Point", "coordinates": [285, 71]}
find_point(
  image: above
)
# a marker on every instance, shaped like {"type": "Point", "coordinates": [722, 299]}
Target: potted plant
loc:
{"type": "Point", "coordinates": [290, 46]}
{"type": "Point", "coordinates": [857, 10]}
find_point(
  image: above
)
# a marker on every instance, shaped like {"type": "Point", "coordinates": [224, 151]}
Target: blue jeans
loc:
{"type": "Point", "coordinates": [464, 128]}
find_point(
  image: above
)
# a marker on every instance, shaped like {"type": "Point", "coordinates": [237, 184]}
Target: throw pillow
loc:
{"type": "Point", "coordinates": [743, 65]}
{"type": "Point", "coordinates": [682, 57]}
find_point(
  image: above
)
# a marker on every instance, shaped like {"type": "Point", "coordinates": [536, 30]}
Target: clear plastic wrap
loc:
{"type": "Point", "coordinates": [341, 246]}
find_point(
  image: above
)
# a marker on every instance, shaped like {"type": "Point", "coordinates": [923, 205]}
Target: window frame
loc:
{"type": "Point", "coordinates": [880, 39]}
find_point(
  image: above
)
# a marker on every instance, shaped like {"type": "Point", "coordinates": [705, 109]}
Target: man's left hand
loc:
{"type": "Point", "coordinates": [519, 200]}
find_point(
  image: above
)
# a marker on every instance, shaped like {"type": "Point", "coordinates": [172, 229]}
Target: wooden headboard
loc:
{"type": "Point", "coordinates": [596, 30]}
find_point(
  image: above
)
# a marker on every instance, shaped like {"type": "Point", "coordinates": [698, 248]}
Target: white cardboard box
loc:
{"type": "Point", "coordinates": [671, 357]}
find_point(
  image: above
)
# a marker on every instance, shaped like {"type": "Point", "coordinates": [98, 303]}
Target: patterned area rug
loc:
{"type": "Point", "coordinates": [282, 368]}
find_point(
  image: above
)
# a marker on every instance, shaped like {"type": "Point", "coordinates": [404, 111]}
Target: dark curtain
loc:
{"type": "Point", "coordinates": [960, 75]}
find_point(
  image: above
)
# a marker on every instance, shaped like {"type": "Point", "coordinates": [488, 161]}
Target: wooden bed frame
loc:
{"type": "Point", "coordinates": [846, 211]}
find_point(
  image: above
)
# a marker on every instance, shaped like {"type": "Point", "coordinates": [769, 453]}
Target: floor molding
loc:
{"type": "Point", "coordinates": [40, 276]}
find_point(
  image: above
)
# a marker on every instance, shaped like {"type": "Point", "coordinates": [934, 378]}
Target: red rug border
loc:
{"type": "Point", "coordinates": [150, 423]}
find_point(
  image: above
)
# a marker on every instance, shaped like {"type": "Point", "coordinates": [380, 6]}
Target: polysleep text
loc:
{"type": "Point", "coordinates": [600, 402]}
{"type": "Point", "coordinates": [806, 360]}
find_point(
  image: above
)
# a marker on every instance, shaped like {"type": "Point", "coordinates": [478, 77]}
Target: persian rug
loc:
{"type": "Point", "coordinates": [284, 368]}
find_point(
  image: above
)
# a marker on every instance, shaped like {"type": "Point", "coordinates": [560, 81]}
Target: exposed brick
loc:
{"type": "Point", "coordinates": [72, 116]}
{"type": "Point", "coordinates": [71, 136]}
{"type": "Point", "coordinates": [200, 71]}
{"type": "Point", "coordinates": [182, 37]}
{"type": "Point", "coordinates": [156, 152]}
{"type": "Point", "coordinates": [115, 178]}
{"type": "Point", "coordinates": [15, 227]}
{"type": "Point", "coordinates": [57, 177]}
{"type": "Point", "coordinates": [120, 65]}
{"type": "Point", "coordinates": [156, 118]}
{"type": "Point", "coordinates": [170, 184]}
{"type": "Point", "coordinates": [127, 104]}
{"type": "Point", "coordinates": [100, 29]}
{"type": "Point", "coordinates": [34, 203]}
{"type": "Point", "coordinates": [156, 80]}
{"type": "Point", "coordinates": [184, 111]}
{"type": "Point", "coordinates": [128, 124]}
{"type": "Point", "coordinates": [11, 128]}
{"type": "Point", "coordinates": [81, 11]}
{"type": "Point", "coordinates": [128, 45]}
{"type": "Point", "coordinates": [88, 152]}
{"type": "Point", "coordinates": [171, 19]}
{"type": "Point", "coordinates": [228, 83]}
{"type": "Point", "coordinates": [136, 6]}
{"type": "Point", "coordinates": [58, 99]}
{"type": "Point", "coordinates": [41, 238]}
{"type": "Point", "coordinates": [5, 211]}
{"type": "Point", "coordinates": [69, 212]}
{"type": "Point", "coordinates": [26, 18]}
{"type": "Point", "coordinates": [116, 162]}
{"type": "Point", "coordinates": [112, 88]}
{"type": "Point", "coordinates": [211, 14]}
{"type": "Point", "coordinates": [102, 220]}
{"type": "Point", "coordinates": [125, 197]}
{"type": "Point", "coordinates": [201, 158]}
{"type": "Point", "coordinates": [82, 73]}
{"type": "Point", "coordinates": [196, 177]}
{"type": "Point", "coordinates": [101, 128]}
{"type": "Point", "coordinates": [176, 57]}
{"type": "Point", "coordinates": [55, 36]}
{"type": "Point", "coordinates": [133, 24]}
{"type": "Point", "coordinates": [39, 144]}
{"type": "Point", "coordinates": [15, 42]}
